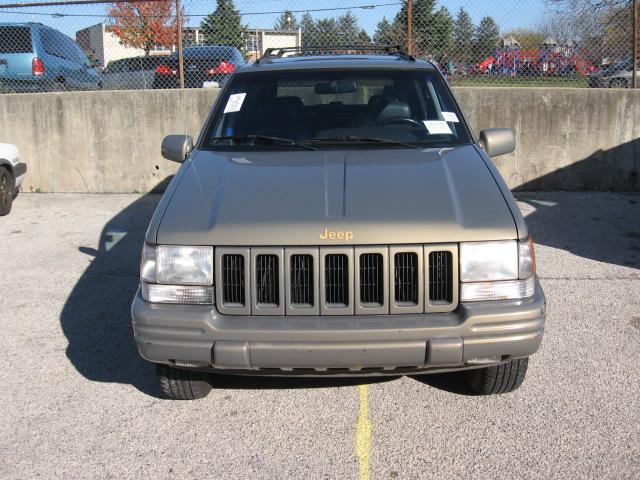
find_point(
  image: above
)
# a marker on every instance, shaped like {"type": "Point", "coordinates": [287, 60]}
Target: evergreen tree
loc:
{"type": "Point", "coordinates": [382, 35]}
{"type": "Point", "coordinates": [422, 16]}
{"type": "Point", "coordinates": [347, 29]}
{"type": "Point", "coordinates": [327, 32]}
{"type": "Point", "coordinates": [286, 21]}
{"type": "Point", "coordinates": [363, 38]}
{"type": "Point", "coordinates": [440, 35]}
{"type": "Point", "coordinates": [463, 35]}
{"type": "Point", "coordinates": [486, 38]}
{"type": "Point", "coordinates": [224, 26]}
{"type": "Point", "coordinates": [309, 30]}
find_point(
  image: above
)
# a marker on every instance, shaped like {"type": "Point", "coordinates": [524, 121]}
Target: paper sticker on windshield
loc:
{"type": "Point", "coordinates": [450, 117]}
{"type": "Point", "coordinates": [235, 102]}
{"type": "Point", "coordinates": [437, 127]}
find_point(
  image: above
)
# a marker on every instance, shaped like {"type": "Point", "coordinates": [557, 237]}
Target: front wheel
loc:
{"type": "Point", "coordinates": [7, 190]}
{"type": "Point", "coordinates": [179, 384]}
{"type": "Point", "coordinates": [503, 378]}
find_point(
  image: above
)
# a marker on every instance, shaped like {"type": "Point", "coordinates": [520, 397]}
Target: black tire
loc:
{"type": "Point", "coordinates": [503, 378]}
{"type": "Point", "coordinates": [7, 190]}
{"type": "Point", "coordinates": [618, 83]}
{"type": "Point", "coordinates": [179, 384]}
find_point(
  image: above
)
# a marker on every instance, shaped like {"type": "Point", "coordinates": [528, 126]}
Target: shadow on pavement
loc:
{"type": "Point", "coordinates": [96, 316]}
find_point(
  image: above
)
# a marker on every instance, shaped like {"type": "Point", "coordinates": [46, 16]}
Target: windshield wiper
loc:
{"type": "Point", "coordinates": [353, 138]}
{"type": "Point", "coordinates": [263, 139]}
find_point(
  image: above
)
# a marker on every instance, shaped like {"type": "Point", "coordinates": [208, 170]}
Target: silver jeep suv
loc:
{"type": "Point", "coordinates": [336, 216]}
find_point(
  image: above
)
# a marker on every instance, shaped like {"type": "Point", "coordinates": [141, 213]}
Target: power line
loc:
{"type": "Point", "coordinates": [87, 2]}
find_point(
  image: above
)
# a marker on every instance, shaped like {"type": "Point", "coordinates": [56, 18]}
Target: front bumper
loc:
{"type": "Point", "coordinates": [19, 171]}
{"type": "Point", "coordinates": [200, 337]}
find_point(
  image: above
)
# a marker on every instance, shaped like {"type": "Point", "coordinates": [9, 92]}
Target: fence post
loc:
{"type": "Point", "coordinates": [409, 27]}
{"type": "Point", "coordinates": [180, 59]}
{"type": "Point", "coordinates": [634, 73]}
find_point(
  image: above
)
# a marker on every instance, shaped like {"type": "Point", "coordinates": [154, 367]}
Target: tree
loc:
{"type": "Point", "coordinates": [286, 21]}
{"type": "Point", "coordinates": [347, 30]}
{"type": "Point", "coordinates": [422, 20]}
{"type": "Point", "coordinates": [309, 30]}
{"type": "Point", "coordinates": [144, 24]}
{"type": "Point", "coordinates": [383, 33]}
{"type": "Point", "coordinates": [440, 34]}
{"type": "Point", "coordinates": [363, 38]}
{"type": "Point", "coordinates": [486, 38]}
{"type": "Point", "coordinates": [326, 32]}
{"type": "Point", "coordinates": [463, 33]}
{"type": "Point", "coordinates": [224, 26]}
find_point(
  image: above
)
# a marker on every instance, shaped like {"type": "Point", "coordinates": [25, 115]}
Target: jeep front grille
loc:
{"type": "Point", "coordinates": [301, 280]}
{"type": "Point", "coordinates": [337, 280]}
{"type": "Point", "coordinates": [336, 274]}
{"type": "Point", "coordinates": [233, 280]}
{"type": "Point", "coordinates": [267, 280]}
{"type": "Point", "coordinates": [440, 288]}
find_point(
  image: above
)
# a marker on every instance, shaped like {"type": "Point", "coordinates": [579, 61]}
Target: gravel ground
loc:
{"type": "Point", "coordinates": [78, 402]}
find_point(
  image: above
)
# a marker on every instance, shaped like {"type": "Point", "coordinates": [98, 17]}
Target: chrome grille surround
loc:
{"type": "Point", "coordinates": [317, 275]}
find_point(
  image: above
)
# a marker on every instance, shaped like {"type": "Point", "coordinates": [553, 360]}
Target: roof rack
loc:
{"type": "Point", "coordinates": [278, 52]}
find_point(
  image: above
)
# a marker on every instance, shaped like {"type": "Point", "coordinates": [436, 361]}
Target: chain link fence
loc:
{"type": "Point", "coordinates": [53, 46]}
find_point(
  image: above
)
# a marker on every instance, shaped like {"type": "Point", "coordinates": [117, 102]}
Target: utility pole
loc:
{"type": "Point", "coordinates": [634, 74]}
{"type": "Point", "coordinates": [180, 59]}
{"type": "Point", "coordinates": [410, 26]}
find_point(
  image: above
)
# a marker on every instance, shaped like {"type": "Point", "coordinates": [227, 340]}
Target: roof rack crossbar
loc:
{"type": "Point", "coordinates": [396, 50]}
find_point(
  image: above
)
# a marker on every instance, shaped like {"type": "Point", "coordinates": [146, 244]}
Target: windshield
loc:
{"type": "Point", "coordinates": [336, 109]}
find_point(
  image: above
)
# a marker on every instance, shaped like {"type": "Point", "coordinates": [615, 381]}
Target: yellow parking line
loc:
{"type": "Point", "coordinates": [363, 434]}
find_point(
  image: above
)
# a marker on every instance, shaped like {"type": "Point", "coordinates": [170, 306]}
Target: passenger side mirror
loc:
{"type": "Point", "coordinates": [176, 147]}
{"type": "Point", "coordinates": [497, 141]}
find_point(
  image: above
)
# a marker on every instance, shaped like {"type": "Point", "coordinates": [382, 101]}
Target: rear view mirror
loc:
{"type": "Point", "coordinates": [176, 147]}
{"type": "Point", "coordinates": [498, 141]}
{"type": "Point", "coordinates": [326, 88]}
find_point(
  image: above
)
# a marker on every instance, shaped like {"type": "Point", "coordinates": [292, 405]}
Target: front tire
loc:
{"type": "Point", "coordinates": [503, 378]}
{"type": "Point", "coordinates": [179, 384]}
{"type": "Point", "coordinates": [7, 190]}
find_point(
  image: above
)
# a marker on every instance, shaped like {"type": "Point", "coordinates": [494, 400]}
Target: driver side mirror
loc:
{"type": "Point", "coordinates": [176, 147]}
{"type": "Point", "coordinates": [497, 141]}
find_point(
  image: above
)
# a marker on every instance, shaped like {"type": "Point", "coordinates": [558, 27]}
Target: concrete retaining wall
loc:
{"type": "Point", "coordinates": [568, 139]}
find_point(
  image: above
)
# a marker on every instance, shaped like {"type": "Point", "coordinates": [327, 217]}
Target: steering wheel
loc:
{"type": "Point", "coordinates": [400, 120]}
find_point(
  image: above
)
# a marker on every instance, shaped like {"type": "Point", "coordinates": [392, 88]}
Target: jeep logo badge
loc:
{"type": "Point", "coordinates": [347, 236]}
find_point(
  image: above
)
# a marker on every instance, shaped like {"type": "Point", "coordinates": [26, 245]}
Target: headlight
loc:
{"type": "Point", "coordinates": [487, 261]}
{"type": "Point", "coordinates": [500, 270]}
{"type": "Point", "coordinates": [177, 274]}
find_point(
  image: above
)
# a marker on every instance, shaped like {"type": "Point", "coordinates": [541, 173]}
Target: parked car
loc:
{"type": "Point", "coordinates": [133, 73]}
{"type": "Point", "coordinates": [616, 76]}
{"type": "Point", "coordinates": [204, 66]}
{"type": "Point", "coordinates": [12, 172]}
{"type": "Point", "coordinates": [38, 58]}
{"type": "Point", "coordinates": [337, 216]}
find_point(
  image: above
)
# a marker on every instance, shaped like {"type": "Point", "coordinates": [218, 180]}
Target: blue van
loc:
{"type": "Point", "coordinates": [38, 58]}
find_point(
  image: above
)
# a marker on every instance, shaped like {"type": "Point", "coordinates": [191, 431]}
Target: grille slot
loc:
{"type": "Point", "coordinates": [406, 278]}
{"type": "Point", "coordinates": [233, 281]}
{"type": "Point", "coordinates": [371, 279]}
{"type": "Point", "coordinates": [336, 271]}
{"type": "Point", "coordinates": [301, 278]}
{"type": "Point", "coordinates": [440, 277]}
{"type": "Point", "coordinates": [267, 288]}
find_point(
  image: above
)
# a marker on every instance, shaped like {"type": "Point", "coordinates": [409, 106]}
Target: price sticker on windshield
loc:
{"type": "Point", "coordinates": [436, 127]}
{"type": "Point", "coordinates": [450, 117]}
{"type": "Point", "coordinates": [234, 104]}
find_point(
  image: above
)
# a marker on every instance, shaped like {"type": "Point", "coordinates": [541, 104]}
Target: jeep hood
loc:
{"type": "Point", "coordinates": [391, 196]}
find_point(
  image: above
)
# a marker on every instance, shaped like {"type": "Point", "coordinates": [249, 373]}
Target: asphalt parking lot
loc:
{"type": "Point", "coordinates": [78, 402]}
